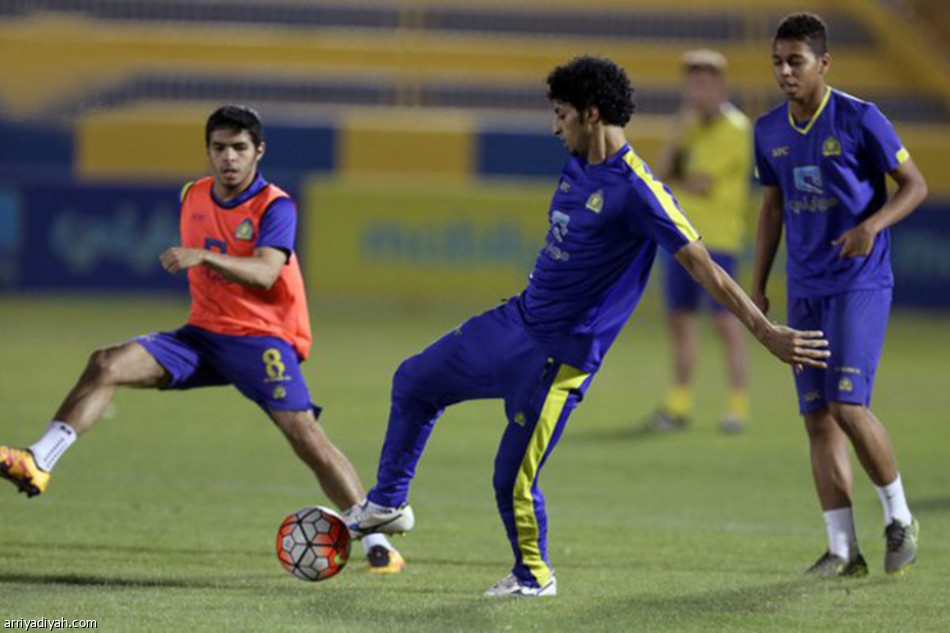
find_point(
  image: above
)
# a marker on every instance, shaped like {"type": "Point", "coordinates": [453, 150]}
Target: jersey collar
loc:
{"type": "Point", "coordinates": [255, 188]}
{"type": "Point", "coordinates": [811, 121]}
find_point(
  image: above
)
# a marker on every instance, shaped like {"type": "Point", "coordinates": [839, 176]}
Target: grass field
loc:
{"type": "Point", "coordinates": [164, 517]}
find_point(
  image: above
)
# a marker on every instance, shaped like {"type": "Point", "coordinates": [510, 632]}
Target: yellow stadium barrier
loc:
{"type": "Point", "coordinates": [420, 241]}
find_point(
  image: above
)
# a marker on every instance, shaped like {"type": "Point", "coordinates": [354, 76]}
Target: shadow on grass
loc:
{"type": "Point", "coordinates": [618, 434]}
{"type": "Point", "coordinates": [89, 580]}
{"type": "Point", "coordinates": [136, 549]}
{"type": "Point", "coordinates": [752, 599]}
{"type": "Point", "coordinates": [709, 610]}
{"type": "Point", "coordinates": [932, 505]}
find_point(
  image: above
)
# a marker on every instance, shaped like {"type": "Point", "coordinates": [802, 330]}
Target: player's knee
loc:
{"type": "Point", "coordinates": [503, 481]}
{"type": "Point", "coordinates": [820, 425]}
{"type": "Point", "coordinates": [102, 366]}
{"type": "Point", "coordinates": [850, 417]}
{"type": "Point", "coordinates": [406, 381]}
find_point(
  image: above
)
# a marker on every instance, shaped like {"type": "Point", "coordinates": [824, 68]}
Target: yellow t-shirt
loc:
{"type": "Point", "coordinates": [721, 149]}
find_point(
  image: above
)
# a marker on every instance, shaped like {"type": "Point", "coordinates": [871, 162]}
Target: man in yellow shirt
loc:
{"type": "Point", "coordinates": [707, 163]}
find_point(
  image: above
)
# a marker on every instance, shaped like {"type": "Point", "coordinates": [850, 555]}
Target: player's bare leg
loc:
{"type": "Point", "coordinates": [674, 414]}
{"type": "Point", "coordinates": [121, 365]}
{"type": "Point", "coordinates": [730, 333]}
{"type": "Point", "coordinates": [682, 326]}
{"type": "Point", "coordinates": [333, 470]}
{"type": "Point", "coordinates": [337, 477]}
{"type": "Point", "coordinates": [872, 444]}
{"type": "Point", "coordinates": [830, 463]}
{"type": "Point", "coordinates": [126, 365]}
{"type": "Point", "coordinates": [831, 469]}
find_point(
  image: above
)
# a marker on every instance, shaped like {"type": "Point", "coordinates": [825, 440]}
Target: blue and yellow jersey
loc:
{"type": "Point", "coordinates": [721, 149]}
{"type": "Point", "coordinates": [831, 172]}
{"type": "Point", "coordinates": [606, 222]}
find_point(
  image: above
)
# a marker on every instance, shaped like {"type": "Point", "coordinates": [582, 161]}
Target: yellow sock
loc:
{"type": "Point", "coordinates": [739, 405]}
{"type": "Point", "coordinates": [679, 401]}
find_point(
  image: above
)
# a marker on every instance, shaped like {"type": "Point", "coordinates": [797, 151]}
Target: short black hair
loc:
{"type": "Point", "coordinates": [804, 27]}
{"type": "Point", "coordinates": [587, 81]}
{"type": "Point", "coordinates": [238, 118]}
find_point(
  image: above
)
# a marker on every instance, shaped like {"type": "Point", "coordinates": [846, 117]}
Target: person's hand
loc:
{"type": "Point", "coordinates": [797, 348]}
{"type": "Point", "coordinates": [761, 301]}
{"type": "Point", "coordinates": [856, 242]}
{"type": "Point", "coordinates": [179, 258]}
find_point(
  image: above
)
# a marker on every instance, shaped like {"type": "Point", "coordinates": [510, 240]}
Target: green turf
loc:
{"type": "Point", "coordinates": [164, 517]}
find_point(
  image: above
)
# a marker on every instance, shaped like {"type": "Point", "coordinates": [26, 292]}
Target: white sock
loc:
{"type": "Point", "coordinates": [371, 540]}
{"type": "Point", "coordinates": [842, 540]}
{"type": "Point", "coordinates": [894, 502]}
{"type": "Point", "coordinates": [58, 437]}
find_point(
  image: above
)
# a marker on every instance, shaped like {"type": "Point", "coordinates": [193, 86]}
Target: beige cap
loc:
{"type": "Point", "coordinates": [704, 58]}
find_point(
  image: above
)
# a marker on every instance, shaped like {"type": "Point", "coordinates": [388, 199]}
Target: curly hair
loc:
{"type": "Point", "coordinates": [238, 118]}
{"type": "Point", "coordinates": [593, 81]}
{"type": "Point", "coordinates": [804, 27]}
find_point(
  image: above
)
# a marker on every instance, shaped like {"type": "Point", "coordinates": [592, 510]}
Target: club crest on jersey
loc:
{"type": "Point", "coordinates": [279, 393]}
{"type": "Point", "coordinates": [596, 201]}
{"type": "Point", "coordinates": [831, 147]}
{"type": "Point", "coordinates": [245, 231]}
{"type": "Point", "coordinates": [564, 186]}
{"type": "Point", "coordinates": [845, 384]}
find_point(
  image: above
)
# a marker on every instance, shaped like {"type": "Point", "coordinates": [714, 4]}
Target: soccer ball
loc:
{"type": "Point", "coordinates": [313, 543]}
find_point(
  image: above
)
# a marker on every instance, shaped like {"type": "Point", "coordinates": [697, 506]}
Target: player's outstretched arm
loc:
{"type": "Point", "coordinates": [258, 271]}
{"type": "Point", "coordinates": [768, 234]}
{"type": "Point", "coordinates": [911, 191]}
{"type": "Point", "coordinates": [790, 346]}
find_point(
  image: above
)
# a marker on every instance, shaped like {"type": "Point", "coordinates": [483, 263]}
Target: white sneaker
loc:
{"type": "Point", "coordinates": [511, 586]}
{"type": "Point", "coordinates": [367, 517]}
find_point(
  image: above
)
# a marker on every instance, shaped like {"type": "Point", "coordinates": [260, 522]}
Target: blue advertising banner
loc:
{"type": "Point", "coordinates": [69, 237]}
{"type": "Point", "coordinates": [77, 237]}
{"type": "Point", "coordinates": [920, 254]}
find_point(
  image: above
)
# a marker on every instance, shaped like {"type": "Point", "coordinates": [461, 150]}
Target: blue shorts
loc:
{"type": "Point", "coordinates": [264, 369]}
{"type": "Point", "coordinates": [683, 294]}
{"type": "Point", "coordinates": [854, 324]}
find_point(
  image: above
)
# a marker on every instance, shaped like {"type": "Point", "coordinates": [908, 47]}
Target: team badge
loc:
{"type": "Point", "coordinates": [831, 147]}
{"type": "Point", "coordinates": [596, 201]}
{"type": "Point", "coordinates": [845, 384]}
{"type": "Point", "coordinates": [245, 231]}
{"type": "Point", "coordinates": [279, 393]}
{"type": "Point", "coordinates": [564, 186]}
{"type": "Point", "coordinates": [519, 418]}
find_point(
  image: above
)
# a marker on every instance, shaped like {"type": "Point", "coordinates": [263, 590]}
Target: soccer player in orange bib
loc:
{"type": "Point", "coordinates": [248, 326]}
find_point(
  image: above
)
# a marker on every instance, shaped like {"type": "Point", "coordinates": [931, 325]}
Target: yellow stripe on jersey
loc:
{"type": "Point", "coordinates": [526, 522]}
{"type": "Point", "coordinates": [811, 122]}
{"type": "Point", "coordinates": [185, 190]}
{"type": "Point", "coordinates": [662, 196]}
{"type": "Point", "coordinates": [902, 155]}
